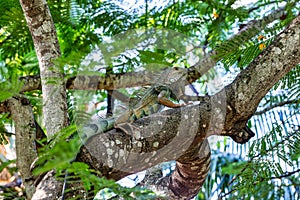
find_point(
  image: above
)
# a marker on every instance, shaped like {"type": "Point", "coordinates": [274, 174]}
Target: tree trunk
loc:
{"type": "Point", "coordinates": [25, 130]}
{"type": "Point", "coordinates": [46, 45]}
{"type": "Point", "coordinates": [242, 98]}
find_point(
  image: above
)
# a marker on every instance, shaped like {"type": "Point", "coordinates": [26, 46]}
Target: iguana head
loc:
{"type": "Point", "coordinates": [171, 75]}
{"type": "Point", "coordinates": [174, 78]}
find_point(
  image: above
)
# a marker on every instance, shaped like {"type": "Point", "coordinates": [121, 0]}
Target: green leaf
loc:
{"type": "Point", "coordinates": [5, 95]}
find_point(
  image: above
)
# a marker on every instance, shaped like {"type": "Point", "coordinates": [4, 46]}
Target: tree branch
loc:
{"type": "Point", "coordinates": [132, 79]}
{"type": "Point", "coordinates": [190, 173]}
{"type": "Point", "coordinates": [164, 136]}
{"type": "Point", "coordinates": [252, 84]}
{"type": "Point", "coordinates": [55, 115]}
{"type": "Point", "coordinates": [294, 101]}
{"type": "Point", "coordinates": [286, 174]}
{"type": "Point", "coordinates": [25, 129]}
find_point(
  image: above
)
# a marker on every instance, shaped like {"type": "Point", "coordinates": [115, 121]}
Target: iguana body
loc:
{"type": "Point", "coordinates": [170, 84]}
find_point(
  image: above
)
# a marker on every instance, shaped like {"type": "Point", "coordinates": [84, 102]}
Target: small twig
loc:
{"type": "Point", "coordinates": [294, 101]}
{"type": "Point", "coordinates": [286, 174]}
{"type": "Point", "coordinates": [224, 195]}
{"type": "Point", "coordinates": [261, 5]}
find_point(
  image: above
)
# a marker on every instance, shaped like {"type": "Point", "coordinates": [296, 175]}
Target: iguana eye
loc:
{"type": "Point", "coordinates": [172, 80]}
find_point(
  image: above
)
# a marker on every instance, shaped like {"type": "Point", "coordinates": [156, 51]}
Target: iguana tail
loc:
{"type": "Point", "coordinates": [96, 127]}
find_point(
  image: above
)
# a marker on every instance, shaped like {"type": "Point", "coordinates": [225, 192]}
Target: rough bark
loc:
{"type": "Point", "coordinates": [190, 172]}
{"type": "Point", "coordinates": [187, 179]}
{"type": "Point", "coordinates": [48, 188]}
{"type": "Point", "coordinates": [145, 147]}
{"type": "Point", "coordinates": [25, 130]}
{"type": "Point", "coordinates": [46, 45]}
{"type": "Point", "coordinates": [250, 86]}
{"type": "Point", "coordinates": [242, 97]}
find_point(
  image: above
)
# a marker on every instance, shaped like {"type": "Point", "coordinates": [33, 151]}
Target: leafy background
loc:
{"type": "Point", "coordinates": [265, 168]}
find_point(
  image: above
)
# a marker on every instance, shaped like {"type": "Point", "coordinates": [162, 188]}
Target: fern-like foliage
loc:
{"type": "Point", "coordinates": [14, 34]}
{"type": "Point", "coordinates": [269, 157]}
{"type": "Point", "coordinates": [291, 83]}
{"type": "Point", "coordinates": [82, 27]}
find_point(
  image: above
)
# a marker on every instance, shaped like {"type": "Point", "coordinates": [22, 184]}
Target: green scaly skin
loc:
{"type": "Point", "coordinates": [96, 127]}
{"type": "Point", "coordinates": [147, 105]}
{"type": "Point", "coordinates": [170, 84]}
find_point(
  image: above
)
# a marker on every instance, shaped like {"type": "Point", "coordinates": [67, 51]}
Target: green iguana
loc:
{"type": "Point", "coordinates": [170, 84]}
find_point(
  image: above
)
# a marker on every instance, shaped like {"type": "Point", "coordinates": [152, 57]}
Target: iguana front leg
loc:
{"type": "Point", "coordinates": [147, 106]}
{"type": "Point", "coordinates": [164, 100]}
{"type": "Point", "coordinates": [124, 122]}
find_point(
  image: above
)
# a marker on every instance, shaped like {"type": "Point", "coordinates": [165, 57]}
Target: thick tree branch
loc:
{"type": "Point", "coordinates": [253, 83]}
{"type": "Point", "coordinates": [152, 141]}
{"type": "Point", "coordinates": [190, 173]}
{"type": "Point", "coordinates": [164, 136]}
{"type": "Point", "coordinates": [25, 129]}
